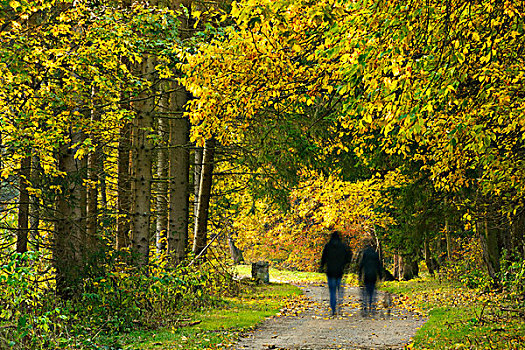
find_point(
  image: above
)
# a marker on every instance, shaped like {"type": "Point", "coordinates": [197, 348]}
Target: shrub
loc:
{"type": "Point", "coordinates": [121, 299]}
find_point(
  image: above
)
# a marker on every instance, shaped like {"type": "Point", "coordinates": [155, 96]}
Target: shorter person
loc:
{"type": "Point", "coordinates": [335, 257]}
{"type": "Point", "coordinates": [370, 269]}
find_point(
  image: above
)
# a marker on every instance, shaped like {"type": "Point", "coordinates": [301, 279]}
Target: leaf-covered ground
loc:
{"type": "Point", "coordinates": [306, 325]}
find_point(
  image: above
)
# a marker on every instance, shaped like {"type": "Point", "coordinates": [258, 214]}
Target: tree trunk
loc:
{"type": "Point", "coordinates": [197, 173]}
{"type": "Point", "coordinates": [92, 193]}
{"type": "Point", "coordinates": [179, 178]}
{"type": "Point", "coordinates": [34, 208]}
{"type": "Point", "coordinates": [124, 187]}
{"type": "Point", "coordinates": [235, 252]}
{"type": "Point", "coordinates": [518, 237]}
{"type": "Point", "coordinates": [447, 236]}
{"type": "Point", "coordinates": [488, 236]}
{"type": "Point", "coordinates": [162, 186]}
{"type": "Point", "coordinates": [405, 268]}
{"type": "Point", "coordinates": [429, 261]}
{"type": "Point", "coordinates": [70, 231]}
{"type": "Point", "coordinates": [199, 241]}
{"type": "Point", "coordinates": [141, 173]}
{"type": "Point", "coordinates": [23, 205]}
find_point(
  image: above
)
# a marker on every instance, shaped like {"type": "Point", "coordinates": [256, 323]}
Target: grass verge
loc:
{"type": "Point", "coordinates": [286, 276]}
{"type": "Point", "coordinates": [218, 327]}
{"type": "Point", "coordinates": [458, 318]}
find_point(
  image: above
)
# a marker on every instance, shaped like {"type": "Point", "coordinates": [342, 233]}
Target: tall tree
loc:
{"type": "Point", "coordinates": [123, 187]}
{"type": "Point", "coordinates": [161, 194]}
{"type": "Point", "coordinates": [205, 187]}
{"type": "Point", "coordinates": [70, 245]}
{"type": "Point", "coordinates": [179, 186]}
{"type": "Point", "coordinates": [142, 162]}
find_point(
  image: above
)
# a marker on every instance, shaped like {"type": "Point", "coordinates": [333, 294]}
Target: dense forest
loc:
{"type": "Point", "coordinates": [146, 147]}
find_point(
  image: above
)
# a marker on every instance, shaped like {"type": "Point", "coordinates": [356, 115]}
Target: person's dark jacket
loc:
{"type": "Point", "coordinates": [336, 255]}
{"type": "Point", "coordinates": [370, 266]}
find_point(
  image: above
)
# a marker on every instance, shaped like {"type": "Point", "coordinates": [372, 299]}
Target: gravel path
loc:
{"type": "Point", "coordinates": [313, 329]}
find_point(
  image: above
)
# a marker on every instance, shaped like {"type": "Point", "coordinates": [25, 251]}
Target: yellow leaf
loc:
{"type": "Point", "coordinates": [395, 70]}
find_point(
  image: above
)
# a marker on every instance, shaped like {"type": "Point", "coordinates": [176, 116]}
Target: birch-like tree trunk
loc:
{"type": "Point", "coordinates": [201, 220]}
{"type": "Point", "coordinates": [161, 197]}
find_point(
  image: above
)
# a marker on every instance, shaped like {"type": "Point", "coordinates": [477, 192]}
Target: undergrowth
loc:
{"type": "Point", "coordinates": [465, 308]}
{"type": "Point", "coordinates": [122, 299]}
{"type": "Point", "coordinates": [218, 327]}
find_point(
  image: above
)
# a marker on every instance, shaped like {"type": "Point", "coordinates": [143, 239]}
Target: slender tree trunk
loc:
{"type": "Point", "coordinates": [70, 230]}
{"type": "Point", "coordinates": [93, 171]}
{"type": "Point", "coordinates": [124, 187]}
{"type": "Point", "coordinates": [197, 174]}
{"type": "Point", "coordinates": [428, 257]}
{"type": "Point", "coordinates": [200, 239]}
{"type": "Point", "coordinates": [518, 237]}
{"type": "Point", "coordinates": [141, 173]}
{"type": "Point", "coordinates": [235, 252]}
{"type": "Point", "coordinates": [102, 183]}
{"type": "Point", "coordinates": [162, 184]}
{"type": "Point", "coordinates": [23, 205]}
{"type": "Point", "coordinates": [179, 178]}
{"type": "Point", "coordinates": [489, 241]}
{"type": "Point", "coordinates": [92, 193]}
{"type": "Point", "coordinates": [447, 236]}
{"type": "Point", "coordinates": [34, 208]}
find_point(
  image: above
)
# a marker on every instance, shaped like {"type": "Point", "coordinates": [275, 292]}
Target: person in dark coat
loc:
{"type": "Point", "coordinates": [370, 270]}
{"type": "Point", "coordinates": [335, 257]}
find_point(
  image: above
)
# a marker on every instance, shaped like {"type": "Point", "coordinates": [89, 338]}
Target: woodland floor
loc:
{"type": "Point", "coordinates": [313, 329]}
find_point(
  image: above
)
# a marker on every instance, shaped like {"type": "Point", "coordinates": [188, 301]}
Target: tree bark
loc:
{"type": "Point", "coordinates": [197, 173]}
{"type": "Point", "coordinates": [92, 193]}
{"type": "Point", "coordinates": [235, 252]}
{"type": "Point", "coordinates": [429, 261]}
{"type": "Point", "coordinates": [162, 184]}
{"type": "Point", "coordinates": [518, 228]}
{"type": "Point", "coordinates": [447, 236]}
{"type": "Point", "coordinates": [488, 236]}
{"type": "Point", "coordinates": [179, 178]}
{"type": "Point", "coordinates": [70, 231]}
{"type": "Point", "coordinates": [141, 173]}
{"type": "Point", "coordinates": [123, 187]}
{"type": "Point", "coordinates": [34, 208]}
{"type": "Point", "coordinates": [199, 241]}
{"type": "Point", "coordinates": [23, 205]}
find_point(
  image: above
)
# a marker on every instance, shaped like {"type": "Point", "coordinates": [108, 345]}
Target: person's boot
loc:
{"type": "Point", "coordinates": [364, 311]}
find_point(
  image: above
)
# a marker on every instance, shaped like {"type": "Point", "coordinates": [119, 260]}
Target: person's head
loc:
{"type": "Point", "coordinates": [335, 236]}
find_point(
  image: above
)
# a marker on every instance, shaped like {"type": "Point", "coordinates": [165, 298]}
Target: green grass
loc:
{"type": "Point", "coordinates": [286, 276]}
{"type": "Point", "coordinates": [216, 327]}
{"type": "Point", "coordinates": [458, 318]}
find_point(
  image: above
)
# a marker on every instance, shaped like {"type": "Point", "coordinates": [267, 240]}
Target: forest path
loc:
{"type": "Point", "coordinates": [313, 329]}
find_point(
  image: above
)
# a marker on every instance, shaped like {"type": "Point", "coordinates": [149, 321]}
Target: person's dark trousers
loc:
{"type": "Point", "coordinates": [368, 297]}
{"type": "Point", "coordinates": [334, 287]}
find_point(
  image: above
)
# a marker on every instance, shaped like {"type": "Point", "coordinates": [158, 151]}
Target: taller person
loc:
{"type": "Point", "coordinates": [335, 257]}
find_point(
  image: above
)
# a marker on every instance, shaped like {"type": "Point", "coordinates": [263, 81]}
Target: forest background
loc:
{"type": "Point", "coordinates": [146, 147]}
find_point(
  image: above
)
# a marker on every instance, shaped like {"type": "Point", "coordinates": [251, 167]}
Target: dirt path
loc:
{"type": "Point", "coordinates": [313, 329]}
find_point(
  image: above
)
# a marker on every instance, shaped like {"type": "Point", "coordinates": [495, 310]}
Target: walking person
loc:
{"type": "Point", "coordinates": [335, 257]}
{"type": "Point", "coordinates": [370, 270]}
